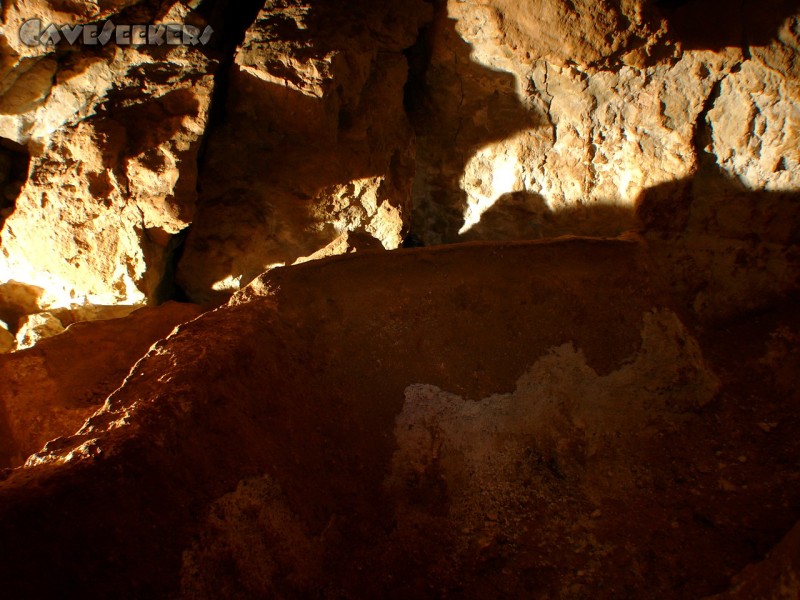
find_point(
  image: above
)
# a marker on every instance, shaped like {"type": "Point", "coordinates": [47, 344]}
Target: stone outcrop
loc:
{"type": "Point", "coordinates": [547, 118]}
{"type": "Point", "coordinates": [527, 121]}
{"type": "Point", "coordinates": [37, 327]}
{"type": "Point", "coordinates": [50, 390]}
{"type": "Point", "coordinates": [528, 419]}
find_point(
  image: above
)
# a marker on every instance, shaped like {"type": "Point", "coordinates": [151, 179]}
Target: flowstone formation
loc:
{"type": "Point", "coordinates": [594, 396]}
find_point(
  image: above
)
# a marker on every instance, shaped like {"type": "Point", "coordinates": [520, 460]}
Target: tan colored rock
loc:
{"type": "Point", "coordinates": [113, 135]}
{"type": "Point", "coordinates": [50, 390]}
{"type": "Point", "coordinates": [316, 142]}
{"type": "Point", "coordinates": [548, 118]}
{"type": "Point", "coordinates": [36, 327]}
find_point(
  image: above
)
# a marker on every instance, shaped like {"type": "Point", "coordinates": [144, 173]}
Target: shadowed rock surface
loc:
{"type": "Point", "coordinates": [50, 390]}
{"type": "Point", "coordinates": [528, 419]}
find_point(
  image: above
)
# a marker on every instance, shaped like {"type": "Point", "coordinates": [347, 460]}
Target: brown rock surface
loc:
{"type": "Point", "coordinates": [7, 341]}
{"type": "Point", "coordinates": [50, 390]}
{"type": "Point", "coordinates": [776, 578]}
{"type": "Point", "coordinates": [314, 143]}
{"type": "Point", "coordinates": [527, 420]}
{"type": "Point", "coordinates": [612, 417]}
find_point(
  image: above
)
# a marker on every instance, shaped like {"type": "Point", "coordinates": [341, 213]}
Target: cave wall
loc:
{"type": "Point", "coordinates": [421, 122]}
{"type": "Point", "coordinates": [604, 406]}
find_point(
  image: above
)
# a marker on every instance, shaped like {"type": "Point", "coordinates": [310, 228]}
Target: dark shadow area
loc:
{"type": "Point", "coordinates": [718, 24]}
{"type": "Point", "coordinates": [8, 444]}
{"type": "Point", "coordinates": [230, 20]}
{"type": "Point", "coordinates": [524, 215]}
{"type": "Point", "coordinates": [714, 204]}
{"type": "Point", "coordinates": [727, 251]}
{"type": "Point", "coordinates": [14, 162]}
{"type": "Point", "coordinates": [457, 106]}
{"type": "Point", "coordinates": [168, 288]}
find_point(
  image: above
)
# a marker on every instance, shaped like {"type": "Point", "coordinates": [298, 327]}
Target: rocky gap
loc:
{"type": "Point", "coordinates": [418, 57]}
{"type": "Point", "coordinates": [231, 20]}
{"type": "Point", "coordinates": [14, 162]}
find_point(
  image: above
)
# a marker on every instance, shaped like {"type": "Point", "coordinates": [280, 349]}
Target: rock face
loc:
{"type": "Point", "coordinates": [449, 121]}
{"type": "Point", "coordinates": [113, 133]}
{"type": "Point", "coordinates": [595, 396]}
{"type": "Point", "coordinates": [50, 390]}
{"type": "Point", "coordinates": [524, 416]}
{"type": "Point", "coordinates": [314, 141]}
{"type": "Point", "coordinates": [7, 341]}
{"type": "Point", "coordinates": [37, 327]}
{"type": "Point", "coordinates": [544, 118]}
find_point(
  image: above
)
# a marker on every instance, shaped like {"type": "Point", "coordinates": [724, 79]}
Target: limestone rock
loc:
{"type": "Point", "coordinates": [50, 390]}
{"type": "Point", "coordinates": [113, 135]}
{"type": "Point", "coordinates": [36, 327]}
{"type": "Point", "coordinates": [548, 118]}
{"type": "Point", "coordinates": [315, 142]}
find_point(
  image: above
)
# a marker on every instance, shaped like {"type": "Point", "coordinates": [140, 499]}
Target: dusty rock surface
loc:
{"type": "Point", "coordinates": [776, 578]}
{"type": "Point", "coordinates": [7, 341]}
{"type": "Point", "coordinates": [50, 390]}
{"type": "Point", "coordinates": [37, 327]}
{"type": "Point", "coordinates": [525, 419]}
{"type": "Point", "coordinates": [545, 118]}
{"type": "Point", "coordinates": [415, 122]}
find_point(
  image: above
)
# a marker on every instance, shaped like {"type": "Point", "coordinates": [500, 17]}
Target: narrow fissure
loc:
{"type": "Point", "coordinates": [14, 162]}
{"type": "Point", "coordinates": [415, 92]}
{"type": "Point", "coordinates": [230, 21]}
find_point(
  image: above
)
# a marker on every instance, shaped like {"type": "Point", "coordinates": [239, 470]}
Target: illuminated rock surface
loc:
{"type": "Point", "coordinates": [531, 416]}
{"type": "Point", "coordinates": [50, 390]}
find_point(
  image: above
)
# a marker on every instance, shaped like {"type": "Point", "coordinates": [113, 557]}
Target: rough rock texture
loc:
{"type": "Point", "coordinates": [113, 133]}
{"type": "Point", "coordinates": [50, 390]}
{"type": "Point", "coordinates": [37, 327]}
{"type": "Point", "coordinates": [617, 99]}
{"type": "Point", "coordinates": [314, 141]}
{"type": "Point", "coordinates": [527, 120]}
{"type": "Point", "coordinates": [526, 420]}
{"type": "Point", "coordinates": [543, 118]}
{"type": "Point", "coordinates": [776, 578]}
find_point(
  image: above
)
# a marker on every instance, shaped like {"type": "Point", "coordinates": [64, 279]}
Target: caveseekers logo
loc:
{"type": "Point", "coordinates": [34, 33]}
